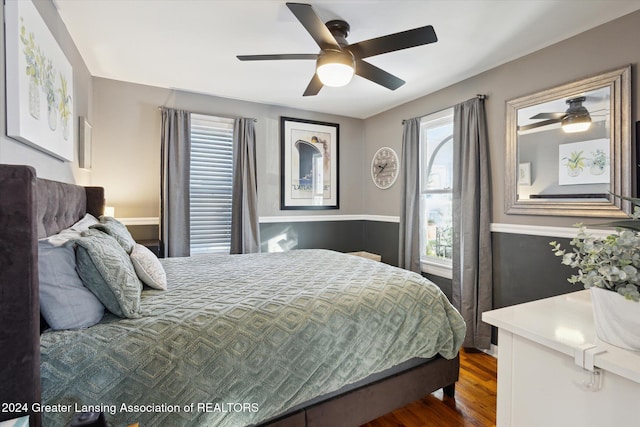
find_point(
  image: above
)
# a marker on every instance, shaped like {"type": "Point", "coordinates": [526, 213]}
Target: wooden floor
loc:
{"type": "Point", "coordinates": [474, 405]}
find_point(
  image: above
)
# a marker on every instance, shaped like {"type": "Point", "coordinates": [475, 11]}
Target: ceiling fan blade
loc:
{"type": "Point", "coordinates": [377, 75]}
{"type": "Point", "coordinates": [392, 42]}
{"type": "Point", "coordinates": [541, 116]}
{"type": "Point", "coordinates": [537, 125]}
{"type": "Point", "coordinates": [314, 86]}
{"type": "Point", "coordinates": [314, 25]}
{"type": "Point", "coordinates": [277, 57]}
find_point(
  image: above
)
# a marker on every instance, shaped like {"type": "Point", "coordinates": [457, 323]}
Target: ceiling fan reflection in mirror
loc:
{"type": "Point", "coordinates": [575, 119]}
{"type": "Point", "coordinates": [338, 60]}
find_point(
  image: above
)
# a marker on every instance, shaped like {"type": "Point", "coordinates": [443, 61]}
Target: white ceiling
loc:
{"type": "Point", "coordinates": [192, 45]}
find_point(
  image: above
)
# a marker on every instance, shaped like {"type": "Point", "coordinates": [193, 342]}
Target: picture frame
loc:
{"type": "Point", "coordinates": [39, 83]}
{"type": "Point", "coordinates": [309, 164]}
{"type": "Point", "coordinates": [84, 143]}
{"type": "Point", "coordinates": [524, 173]}
{"type": "Point", "coordinates": [584, 162]}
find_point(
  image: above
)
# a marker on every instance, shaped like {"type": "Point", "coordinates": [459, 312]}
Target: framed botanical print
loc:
{"type": "Point", "coordinates": [309, 164]}
{"type": "Point", "coordinates": [524, 173]}
{"type": "Point", "coordinates": [84, 146]}
{"type": "Point", "coordinates": [39, 81]}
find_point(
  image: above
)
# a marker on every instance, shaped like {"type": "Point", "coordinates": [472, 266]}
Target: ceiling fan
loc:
{"type": "Point", "coordinates": [338, 60]}
{"type": "Point", "coordinates": [575, 119]}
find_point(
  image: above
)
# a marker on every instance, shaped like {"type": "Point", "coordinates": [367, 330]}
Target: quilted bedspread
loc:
{"type": "Point", "coordinates": [239, 339]}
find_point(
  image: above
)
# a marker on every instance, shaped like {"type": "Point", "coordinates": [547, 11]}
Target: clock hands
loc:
{"type": "Point", "coordinates": [382, 167]}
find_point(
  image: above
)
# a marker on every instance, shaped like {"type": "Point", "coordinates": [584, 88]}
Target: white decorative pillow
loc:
{"type": "Point", "coordinates": [62, 237]}
{"type": "Point", "coordinates": [148, 267]}
{"type": "Point", "coordinates": [65, 303]}
{"type": "Point", "coordinates": [72, 232]}
{"type": "Point", "coordinates": [87, 221]}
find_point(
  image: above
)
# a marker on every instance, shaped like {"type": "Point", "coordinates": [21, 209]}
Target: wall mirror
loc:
{"type": "Point", "coordinates": [569, 148]}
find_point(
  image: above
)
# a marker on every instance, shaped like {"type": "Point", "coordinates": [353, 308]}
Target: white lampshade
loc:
{"type": "Point", "coordinates": [109, 211]}
{"type": "Point", "coordinates": [335, 75]}
{"type": "Point", "coordinates": [576, 127]}
{"type": "Point", "coordinates": [335, 68]}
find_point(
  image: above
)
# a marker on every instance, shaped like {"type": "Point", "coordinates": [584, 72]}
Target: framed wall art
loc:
{"type": "Point", "coordinates": [39, 82]}
{"type": "Point", "coordinates": [84, 144]}
{"type": "Point", "coordinates": [524, 173]}
{"type": "Point", "coordinates": [309, 164]}
{"type": "Point", "coordinates": [585, 162]}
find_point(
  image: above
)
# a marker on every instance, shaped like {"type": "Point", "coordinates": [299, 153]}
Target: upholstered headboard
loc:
{"type": "Point", "coordinates": [30, 208]}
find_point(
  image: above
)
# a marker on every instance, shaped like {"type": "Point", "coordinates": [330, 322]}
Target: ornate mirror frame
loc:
{"type": "Point", "coordinates": [621, 173]}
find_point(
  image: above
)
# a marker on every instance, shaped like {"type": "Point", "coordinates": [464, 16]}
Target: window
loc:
{"type": "Point", "coordinates": [211, 183]}
{"type": "Point", "coordinates": [436, 192]}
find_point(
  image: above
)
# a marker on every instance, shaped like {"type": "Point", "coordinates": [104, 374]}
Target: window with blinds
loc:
{"type": "Point", "coordinates": [211, 183]}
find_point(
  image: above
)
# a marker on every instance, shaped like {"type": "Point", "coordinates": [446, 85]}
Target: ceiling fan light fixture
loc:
{"type": "Point", "coordinates": [335, 68]}
{"type": "Point", "coordinates": [577, 118]}
{"type": "Point", "coordinates": [573, 125]}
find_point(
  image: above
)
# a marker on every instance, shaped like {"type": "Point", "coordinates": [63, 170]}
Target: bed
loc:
{"type": "Point", "coordinates": [210, 340]}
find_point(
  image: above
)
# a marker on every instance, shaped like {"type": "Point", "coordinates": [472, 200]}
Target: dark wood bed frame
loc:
{"type": "Point", "coordinates": [33, 208]}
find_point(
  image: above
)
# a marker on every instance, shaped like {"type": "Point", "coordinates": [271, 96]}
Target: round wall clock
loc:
{"type": "Point", "coordinates": [385, 167]}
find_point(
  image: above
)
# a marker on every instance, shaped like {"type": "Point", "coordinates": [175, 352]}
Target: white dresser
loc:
{"type": "Point", "coordinates": [552, 371]}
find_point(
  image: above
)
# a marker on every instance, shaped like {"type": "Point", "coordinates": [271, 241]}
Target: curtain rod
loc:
{"type": "Point", "coordinates": [210, 114]}
{"type": "Point", "coordinates": [479, 96]}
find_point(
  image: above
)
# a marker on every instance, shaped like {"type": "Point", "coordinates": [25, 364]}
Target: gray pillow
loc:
{"type": "Point", "coordinates": [64, 301]}
{"type": "Point", "coordinates": [117, 230]}
{"type": "Point", "coordinates": [105, 268]}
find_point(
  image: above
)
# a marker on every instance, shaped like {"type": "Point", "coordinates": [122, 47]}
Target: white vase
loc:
{"type": "Point", "coordinates": [573, 172]}
{"type": "Point", "coordinates": [52, 117]}
{"type": "Point", "coordinates": [34, 99]}
{"type": "Point", "coordinates": [616, 319]}
{"type": "Point", "coordinates": [65, 128]}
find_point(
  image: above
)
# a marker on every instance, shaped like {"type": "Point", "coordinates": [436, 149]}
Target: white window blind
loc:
{"type": "Point", "coordinates": [211, 183]}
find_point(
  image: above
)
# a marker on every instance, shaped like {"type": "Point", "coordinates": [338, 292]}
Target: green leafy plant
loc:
{"type": "Point", "coordinates": [48, 84]}
{"type": "Point", "coordinates": [33, 55]}
{"type": "Point", "coordinates": [599, 159]}
{"type": "Point", "coordinates": [611, 262]}
{"type": "Point", "coordinates": [575, 161]}
{"type": "Point", "coordinates": [65, 99]}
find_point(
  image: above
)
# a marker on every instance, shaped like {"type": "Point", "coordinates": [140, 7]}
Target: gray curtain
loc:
{"type": "Point", "coordinates": [174, 179]}
{"type": "Point", "coordinates": [409, 251]}
{"type": "Point", "coordinates": [472, 259]}
{"type": "Point", "coordinates": [245, 229]}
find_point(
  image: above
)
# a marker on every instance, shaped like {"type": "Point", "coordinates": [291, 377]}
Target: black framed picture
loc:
{"type": "Point", "coordinates": [308, 164]}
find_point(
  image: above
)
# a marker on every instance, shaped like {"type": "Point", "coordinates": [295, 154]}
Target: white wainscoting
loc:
{"type": "Point", "coordinates": [548, 231]}
{"type": "Point", "coordinates": [532, 230]}
{"type": "Point", "coordinates": [321, 218]}
{"type": "Point", "coordinates": [140, 221]}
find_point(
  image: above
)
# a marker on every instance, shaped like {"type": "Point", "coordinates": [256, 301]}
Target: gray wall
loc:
{"type": "Point", "coordinates": [376, 237]}
{"type": "Point", "coordinates": [126, 137]}
{"type": "Point", "coordinates": [15, 152]}
{"type": "Point", "coordinates": [541, 150]}
{"type": "Point", "coordinates": [524, 266]}
{"type": "Point", "coordinates": [601, 49]}
{"type": "Point", "coordinates": [126, 125]}
{"type": "Point", "coordinates": [525, 269]}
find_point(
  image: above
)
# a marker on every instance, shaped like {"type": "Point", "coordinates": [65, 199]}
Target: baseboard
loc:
{"type": "Point", "coordinates": [492, 351]}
